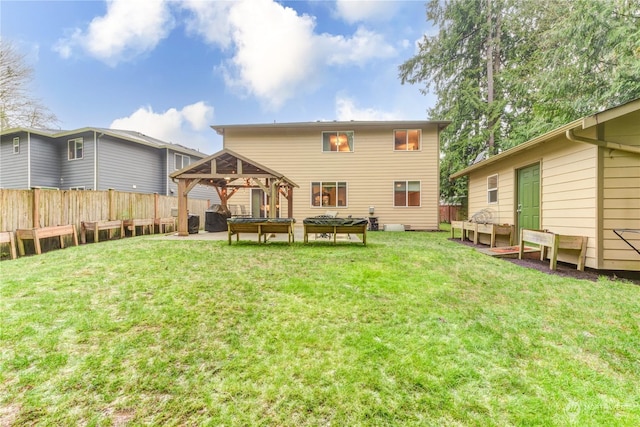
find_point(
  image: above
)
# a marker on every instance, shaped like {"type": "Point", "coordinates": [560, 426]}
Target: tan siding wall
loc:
{"type": "Point", "coordinates": [568, 190]}
{"type": "Point", "coordinates": [369, 171]}
{"type": "Point", "coordinates": [621, 195]}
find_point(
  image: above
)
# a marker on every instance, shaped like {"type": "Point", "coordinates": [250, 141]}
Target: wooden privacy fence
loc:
{"type": "Point", "coordinates": [24, 209]}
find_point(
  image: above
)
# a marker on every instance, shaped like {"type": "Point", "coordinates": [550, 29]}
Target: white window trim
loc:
{"type": "Point", "coordinates": [492, 189]}
{"type": "Point", "coordinates": [321, 206]}
{"type": "Point", "coordinates": [75, 141]}
{"type": "Point", "coordinates": [407, 140]}
{"type": "Point", "coordinates": [182, 157]}
{"type": "Point", "coordinates": [16, 145]}
{"type": "Point", "coordinates": [406, 181]}
{"type": "Point", "coordinates": [353, 138]}
{"type": "Point", "coordinates": [81, 187]}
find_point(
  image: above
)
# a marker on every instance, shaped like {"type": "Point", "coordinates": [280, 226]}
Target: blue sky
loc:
{"type": "Point", "coordinates": [170, 69]}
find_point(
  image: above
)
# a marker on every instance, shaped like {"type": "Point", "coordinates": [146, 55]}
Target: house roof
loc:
{"type": "Point", "coordinates": [227, 168]}
{"type": "Point", "coordinates": [128, 135]}
{"type": "Point", "coordinates": [583, 123]}
{"type": "Point", "coordinates": [334, 125]}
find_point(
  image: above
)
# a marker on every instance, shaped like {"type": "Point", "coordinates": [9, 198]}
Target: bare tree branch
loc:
{"type": "Point", "coordinates": [18, 107]}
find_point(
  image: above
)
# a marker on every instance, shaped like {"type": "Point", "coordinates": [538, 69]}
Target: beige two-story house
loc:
{"type": "Point", "coordinates": [387, 170]}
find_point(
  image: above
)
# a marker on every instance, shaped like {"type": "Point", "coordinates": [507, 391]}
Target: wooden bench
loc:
{"type": "Point", "coordinates": [260, 226]}
{"type": "Point", "coordinates": [145, 223]}
{"type": "Point", "coordinates": [493, 230]}
{"type": "Point", "coordinates": [335, 226]}
{"type": "Point", "coordinates": [7, 237]}
{"type": "Point", "coordinates": [554, 242]}
{"type": "Point", "coordinates": [36, 234]}
{"type": "Point", "coordinates": [162, 224]}
{"type": "Point", "coordinates": [96, 226]}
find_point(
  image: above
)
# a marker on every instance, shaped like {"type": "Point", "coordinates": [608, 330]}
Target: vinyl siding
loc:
{"type": "Point", "coordinates": [13, 167]}
{"type": "Point", "coordinates": [46, 155]}
{"type": "Point", "coordinates": [123, 165]}
{"type": "Point", "coordinates": [77, 172]}
{"type": "Point", "coordinates": [369, 171]}
{"type": "Point", "coordinates": [621, 194]}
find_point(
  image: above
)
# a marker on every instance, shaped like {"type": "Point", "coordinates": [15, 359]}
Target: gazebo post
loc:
{"type": "Point", "coordinates": [183, 220]}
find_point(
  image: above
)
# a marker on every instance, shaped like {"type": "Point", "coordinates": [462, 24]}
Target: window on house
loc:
{"type": "Point", "coordinates": [406, 139]}
{"type": "Point", "coordinates": [329, 194]}
{"type": "Point", "coordinates": [76, 149]}
{"type": "Point", "coordinates": [77, 188]}
{"type": "Point", "coordinates": [406, 193]}
{"type": "Point", "coordinates": [492, 189]}
{"type": "Point", "coordinates": [16, 145]}
{"type": "Point", "coordinates": [181, 161]}
{"type": "Point", "coordinates": [337, 141]}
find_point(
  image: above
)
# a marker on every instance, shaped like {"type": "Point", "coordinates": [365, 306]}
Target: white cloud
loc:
{"type": "Point", "coordinates": [277, 53]}
{"type": "Point", "coordinates": [365, 10]}
{"type": "Point", "coordinates": [128, 29]}
{"type": "Point", "coordinates": [209, 19]}
{"type": "Point", "coordinates": [346, 110]}
{"type": "Point", "coordinates": [357, 50]}
{"type": "Point", "coordinates": [176, 126]}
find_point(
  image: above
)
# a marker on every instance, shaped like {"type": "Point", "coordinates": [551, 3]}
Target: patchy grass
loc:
{"type": "Point", "coordinates": [410, 330]}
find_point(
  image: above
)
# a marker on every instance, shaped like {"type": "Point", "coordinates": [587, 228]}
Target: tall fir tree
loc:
{"type": "Point", "coordinates": [505, 71]}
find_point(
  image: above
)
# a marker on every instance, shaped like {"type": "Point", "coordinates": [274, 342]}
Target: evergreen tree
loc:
{"type": "Point", "coordinates": [505, 71]}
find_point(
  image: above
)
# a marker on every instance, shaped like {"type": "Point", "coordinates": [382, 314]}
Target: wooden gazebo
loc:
{"type": "Point", "coordinates": [228, 172]}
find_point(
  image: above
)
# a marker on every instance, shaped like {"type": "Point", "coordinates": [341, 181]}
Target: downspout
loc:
{"type": "Point", "coordinates": [29, 160]}
{"type": "Point", "coordinates": [166, 161]}
{"type": "Point", "coordinates": [571, 136]}
{"type": "Point", "coordinates": [95, 161]}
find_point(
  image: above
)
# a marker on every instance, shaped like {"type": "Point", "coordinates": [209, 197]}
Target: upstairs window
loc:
{"type": "Point", "coordinates": [406, 139]}
{"type": "Point", "coordinates": [16, 145]}
{"type": "Point", "coordinates": [337, 141]}
{"type": "Point", "coordinates": [181, 161]}
{"type": "Point", "coordinates": [406, 193]}
{"type": "Point", "coordinates": [492, 189]}
{"type": "Point", "coordinates": [329, 194]}
{"type": "Point", "coordinates": [76, 149]}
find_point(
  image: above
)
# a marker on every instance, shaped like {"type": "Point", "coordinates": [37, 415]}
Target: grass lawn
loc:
{"type": "Point", "coordinates": [410, 330]}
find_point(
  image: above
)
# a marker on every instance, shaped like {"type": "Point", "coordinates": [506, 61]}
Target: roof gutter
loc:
{"type": "Point", "coordinates": [571, 136]}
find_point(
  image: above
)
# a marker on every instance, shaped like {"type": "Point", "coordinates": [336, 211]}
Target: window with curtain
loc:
{"type": "Point", "coordinates": [406, 139]}
{"type": "Point", "coordinates": [329, 194]}
{"type": "Point", "coordinates": [337, 141]}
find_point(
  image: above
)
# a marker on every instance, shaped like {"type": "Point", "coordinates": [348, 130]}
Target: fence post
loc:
{"type": "Point", "coordinates": [156, 207]}
{"type": "Point", "coordinates": [111, 203]}
{"type": "Point", "coordinates": [36, 208]}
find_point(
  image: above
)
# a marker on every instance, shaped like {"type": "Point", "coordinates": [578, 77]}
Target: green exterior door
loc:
{"type": "Point", "coordinates": [528, 209]}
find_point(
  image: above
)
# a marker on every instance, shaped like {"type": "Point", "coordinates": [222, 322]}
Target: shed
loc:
{"type": "Point", "coordinates": [228, 172]}
{"type": "Point", "coordinates": [580, 179]}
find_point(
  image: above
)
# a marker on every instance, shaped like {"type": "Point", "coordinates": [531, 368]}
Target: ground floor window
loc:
{"type": "Point", "coordinates": [492, 189]}
{"type": "Point", "coordinates": [406, 193]}
{"type": "Point", "coordinates": [329, 193]}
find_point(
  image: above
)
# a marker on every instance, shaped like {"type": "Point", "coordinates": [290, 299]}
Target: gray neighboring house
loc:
{"type": "Point", "coordinates": [94, 159]}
